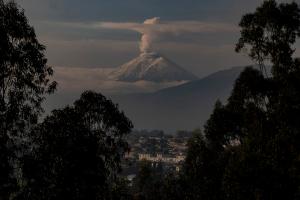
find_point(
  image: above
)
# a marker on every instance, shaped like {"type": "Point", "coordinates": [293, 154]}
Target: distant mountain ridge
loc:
{"type": "Point", "coordinates": [184, 107]}
{"type": "Point", "coordinates": [151, 66]}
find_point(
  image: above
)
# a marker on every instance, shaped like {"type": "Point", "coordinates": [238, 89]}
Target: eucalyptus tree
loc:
{"type": "Point", "coordinates": [24, 82]}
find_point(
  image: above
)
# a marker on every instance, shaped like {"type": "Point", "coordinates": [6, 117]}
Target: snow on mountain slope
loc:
{"type": "Point", "coordinates": [151, 66]}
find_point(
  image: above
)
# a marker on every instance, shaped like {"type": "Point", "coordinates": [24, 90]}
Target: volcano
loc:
{"type": "Point", "coordinates": [151, 66]}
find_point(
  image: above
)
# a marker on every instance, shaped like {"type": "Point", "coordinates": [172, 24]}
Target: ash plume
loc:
{"type": "Point", "coordinates": [148, 37]}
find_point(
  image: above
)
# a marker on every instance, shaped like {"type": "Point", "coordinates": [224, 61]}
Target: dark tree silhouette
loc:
{"type": "Point", "coordinates": [77, 151]}
{"type": "Point", "coordinates": [146, 184]}
{"type": "Point", "coordinates": [270, 33]}
{"type": "Point", "coordinates": [202, 169]}
{"type": "Point", "coordinates": [268, 157]}
{"type": "Point", "coordinates": [251, 147]}
{"type": "Point", "coordinates": [24, 80]}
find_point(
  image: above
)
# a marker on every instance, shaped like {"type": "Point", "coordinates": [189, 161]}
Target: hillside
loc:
{"type": "Point", "coordinates": [187, 106]}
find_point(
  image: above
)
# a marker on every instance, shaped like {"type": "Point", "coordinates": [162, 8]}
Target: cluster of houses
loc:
{"type": "Point", "coordinates": [161, 158]}
{"type": "Point", "coordinates": [174, 161]}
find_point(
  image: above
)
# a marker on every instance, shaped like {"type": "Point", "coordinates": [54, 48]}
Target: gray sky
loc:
{"type": "Point", "coordinates": [74, 34]}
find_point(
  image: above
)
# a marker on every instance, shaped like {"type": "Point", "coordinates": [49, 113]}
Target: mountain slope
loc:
{"type": "Point", "coordinates": [187, 106]}
{"type": "Point", "coordinates": [151, 66]}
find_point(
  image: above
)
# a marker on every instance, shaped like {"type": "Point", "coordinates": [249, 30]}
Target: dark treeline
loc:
{"type": "Point", "coordinates": [75, 152]}
{"type": "Point", "coordinates": [249, 149]}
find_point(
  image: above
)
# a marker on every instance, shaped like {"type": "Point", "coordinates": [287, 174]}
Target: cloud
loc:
{"type": "Point", "coordinates": [175, 27]}
{"type": "Point", "coordinates": [72, 81]}
{"type": "Point", "coordinates": [193, 44]}
{"type": "Point", "coordinates": [77, 79]}
{"type": "Point", "coordinates": [154, 29]}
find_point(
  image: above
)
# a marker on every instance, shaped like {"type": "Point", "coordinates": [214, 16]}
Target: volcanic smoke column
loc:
{"type": "Point", "coordinates": [148, 35]}
{"type": "Point", "coordinates": [150, 65]}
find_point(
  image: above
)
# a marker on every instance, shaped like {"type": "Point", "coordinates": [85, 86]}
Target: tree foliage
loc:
{"type": "Point", "coordinates": [201, 169]}
{"type": "Point", "coordinates": [77, 151]}
{"type": "Point", "coordinates": [24, 81]}
{"type": "Point", "coordinates": [250, 149]}
{"type": "Point", "coordinates": [24, 74]}
{"type": "Point", "coordinates": [269, 33]}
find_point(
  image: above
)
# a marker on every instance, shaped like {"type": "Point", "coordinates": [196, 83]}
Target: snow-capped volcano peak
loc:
{"type": "Point", "coordinates": [151, 66]}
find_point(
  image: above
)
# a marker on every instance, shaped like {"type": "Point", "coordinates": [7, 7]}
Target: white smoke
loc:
{"type": "Point", "coordinates": [154, 20]}
{"type": "Point", "coordinates": [149, 37]}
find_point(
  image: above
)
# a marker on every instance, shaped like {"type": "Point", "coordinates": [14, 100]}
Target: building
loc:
{"type": "Point", "coordinates": [160, 158]}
